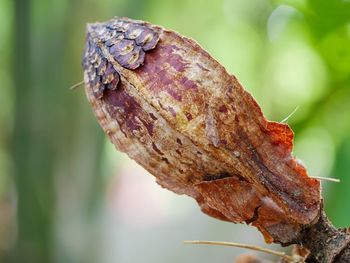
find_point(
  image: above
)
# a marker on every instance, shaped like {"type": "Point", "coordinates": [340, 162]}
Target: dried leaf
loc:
{"type": "Point", "coordinates": [170, 106]}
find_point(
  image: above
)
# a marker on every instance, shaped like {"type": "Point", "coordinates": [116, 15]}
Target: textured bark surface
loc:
{"type": "Point", "coordinates": [175, 110]}
{"type": "Point", "coordinates": [326, 243]}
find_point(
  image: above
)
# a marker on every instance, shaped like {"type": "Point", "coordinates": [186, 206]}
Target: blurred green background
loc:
{"type": "Point", "coordinates": [67, 196]}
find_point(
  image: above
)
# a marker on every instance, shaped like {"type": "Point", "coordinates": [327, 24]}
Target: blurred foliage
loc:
{"type": "Point", "coordinates": [53, 162]}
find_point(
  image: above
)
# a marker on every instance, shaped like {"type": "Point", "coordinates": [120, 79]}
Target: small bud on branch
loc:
{"type": "Point", "coordinates": [164, 101]}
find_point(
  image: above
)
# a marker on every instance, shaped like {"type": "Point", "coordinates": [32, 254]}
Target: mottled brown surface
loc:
{"type": "Point", "coordinates": [326, 243]}
{"type": "Point", "coordinates": [180, 115]}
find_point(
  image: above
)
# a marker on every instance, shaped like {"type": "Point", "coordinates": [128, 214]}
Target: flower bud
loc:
{"type": "Point", "coordinates": [164, 101]}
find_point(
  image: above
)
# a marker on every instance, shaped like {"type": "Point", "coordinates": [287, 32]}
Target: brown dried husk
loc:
{"type": "Point", "coordinates": [191, 124]}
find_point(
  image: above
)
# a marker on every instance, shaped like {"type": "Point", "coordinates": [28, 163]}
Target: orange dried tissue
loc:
{"type": "Point", "coordinates": [163, 100]}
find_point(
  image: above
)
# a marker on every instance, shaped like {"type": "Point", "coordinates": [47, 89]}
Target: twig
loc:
{"type": "Point", "coordinates": [256, 248]}
{"type": "Point", "coordinates": [76, 85]}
